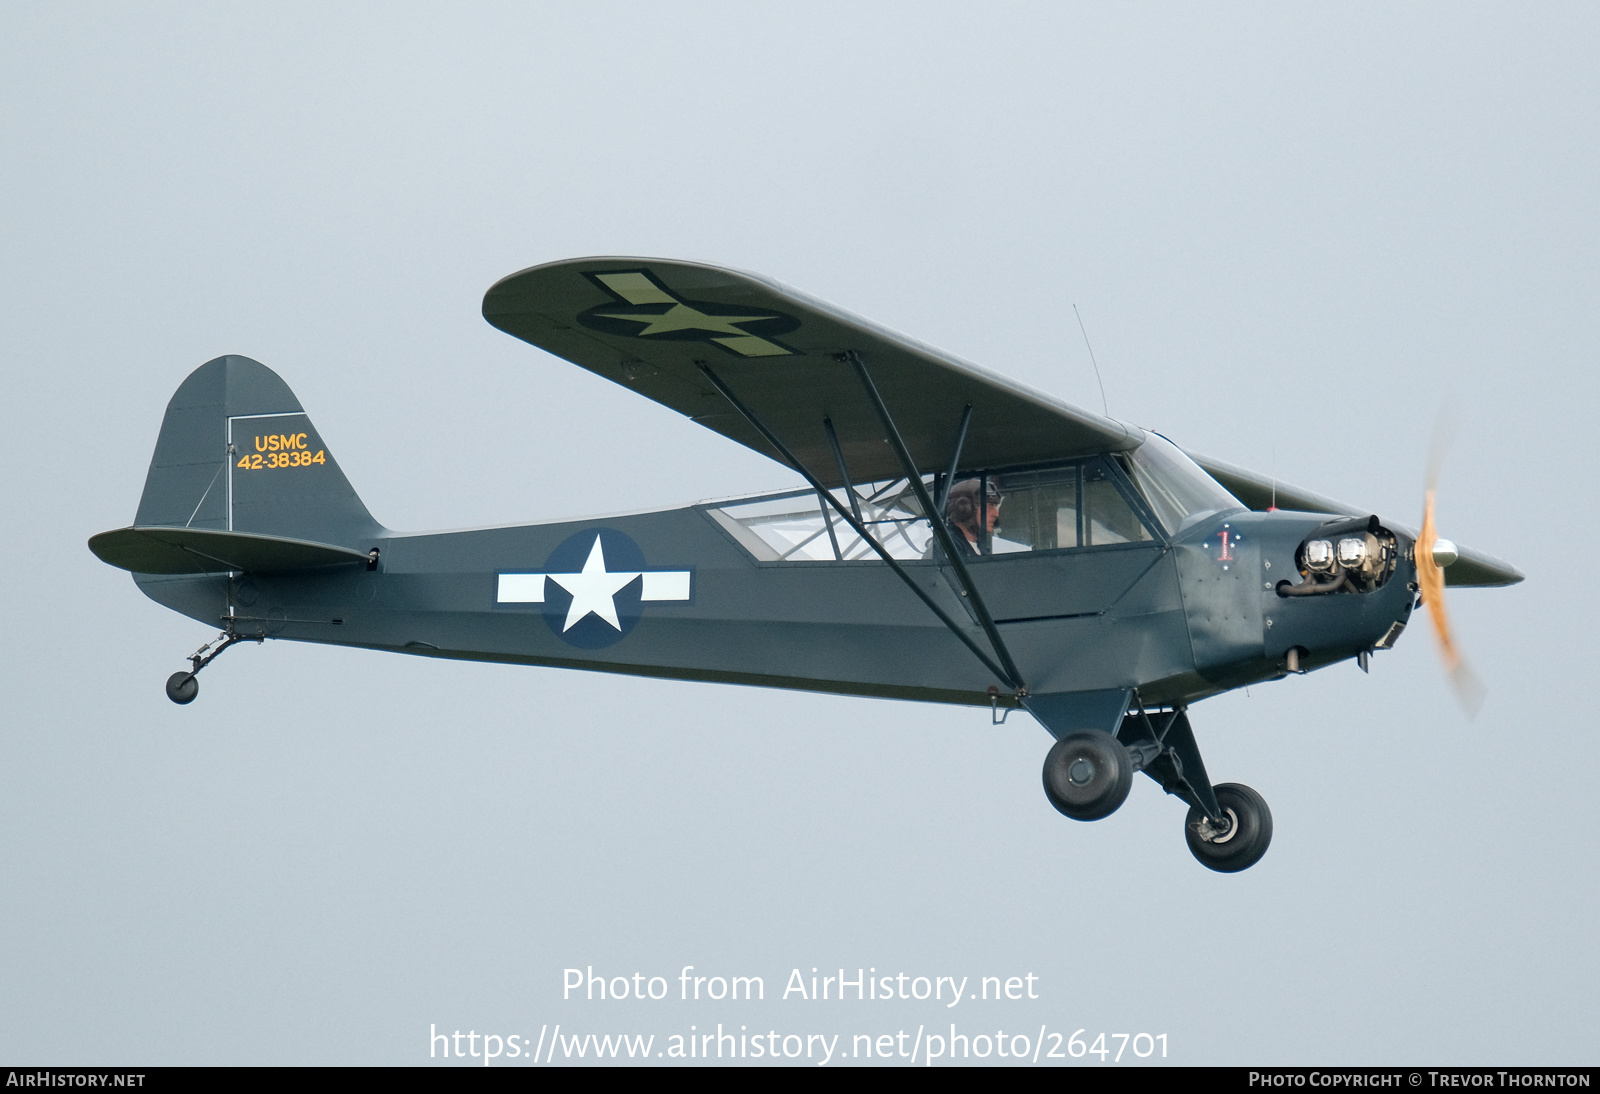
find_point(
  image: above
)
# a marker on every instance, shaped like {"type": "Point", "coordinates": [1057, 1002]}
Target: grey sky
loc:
{"type": "Point", "coordinates": [1296, 235]}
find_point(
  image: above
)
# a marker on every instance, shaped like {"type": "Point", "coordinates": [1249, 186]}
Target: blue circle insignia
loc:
{"type": "Point", "coordinates": [593, 586]}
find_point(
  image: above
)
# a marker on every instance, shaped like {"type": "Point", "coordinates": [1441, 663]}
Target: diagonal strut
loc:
{"type": "Point", "coordinates": [936, 521]}
{"type": "Point", "coordinates": [860, 528]}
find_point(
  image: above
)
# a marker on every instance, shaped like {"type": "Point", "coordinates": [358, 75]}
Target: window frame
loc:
{"type": "Point", "coordinates": [718, 512]}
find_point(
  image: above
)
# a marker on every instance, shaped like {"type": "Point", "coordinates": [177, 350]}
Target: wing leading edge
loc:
{"type": "Point", "coordinates": [647, 323]}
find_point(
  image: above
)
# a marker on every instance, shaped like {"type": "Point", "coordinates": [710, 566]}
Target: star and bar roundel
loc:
{"type": "Point", "coordinates": [646, 308]}
{"type": "Point", "coordinates": [593, 588]}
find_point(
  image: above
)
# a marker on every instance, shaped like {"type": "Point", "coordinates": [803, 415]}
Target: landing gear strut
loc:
{"type": "Point", "coordinates": [182, 687]}
{"type": "Point", "coordinates": [1088, 774]}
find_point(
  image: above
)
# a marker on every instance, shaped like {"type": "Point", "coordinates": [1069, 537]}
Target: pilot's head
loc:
{"type": "Point", "coordinates": [962, 507]}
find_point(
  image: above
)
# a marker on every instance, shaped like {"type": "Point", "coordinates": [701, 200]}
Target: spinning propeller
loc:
{"type": "Point", "coordinates": [1432, 555]}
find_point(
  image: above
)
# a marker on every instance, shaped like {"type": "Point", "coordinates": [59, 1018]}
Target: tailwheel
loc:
{"type": "Point", "coordinates": [182, 687]}
{"type": "Point", "coordinates": [1235, 841]}
{"type": "Point", "coordinates": [1087, 775]}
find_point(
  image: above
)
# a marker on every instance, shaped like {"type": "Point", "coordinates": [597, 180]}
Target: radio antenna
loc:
{"type": "Point", "coordinates": [1093, 362]}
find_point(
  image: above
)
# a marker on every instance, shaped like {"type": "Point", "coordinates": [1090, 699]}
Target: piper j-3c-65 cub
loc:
{"type": "Point", "coordinates": [1089, 572]}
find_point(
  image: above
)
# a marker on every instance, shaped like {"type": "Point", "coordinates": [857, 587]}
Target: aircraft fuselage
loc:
{"type": "Point", "coordinates": [673, 594]}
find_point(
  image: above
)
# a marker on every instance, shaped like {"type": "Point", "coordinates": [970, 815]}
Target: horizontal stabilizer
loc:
{"type": "Point", "coordinates": [202, 551]}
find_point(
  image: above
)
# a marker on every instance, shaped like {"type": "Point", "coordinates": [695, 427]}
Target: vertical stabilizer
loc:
{"type": "Point", "coordinates": [238, 453]}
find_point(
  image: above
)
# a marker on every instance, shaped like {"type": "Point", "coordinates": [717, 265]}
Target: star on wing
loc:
{"type": "Point", "coordinates": [683, 317]}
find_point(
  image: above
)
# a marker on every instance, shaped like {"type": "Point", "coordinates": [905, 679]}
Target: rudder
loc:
{"type": "Point", "coordinates": [238, 453]}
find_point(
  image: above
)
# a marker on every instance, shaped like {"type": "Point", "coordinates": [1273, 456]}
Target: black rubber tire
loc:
{"type": "Point", "coordinates": [1243, 847]}
{"type": "Point", "coordinates": [182, 687]}
{"type": "Point", "coordinates": [1087, 775]}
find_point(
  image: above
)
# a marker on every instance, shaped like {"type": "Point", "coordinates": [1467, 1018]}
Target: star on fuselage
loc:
{"type": "Point", "coordinates": [594, 588]}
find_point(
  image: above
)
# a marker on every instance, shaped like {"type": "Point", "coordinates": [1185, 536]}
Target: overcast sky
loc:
{"type": "Point", "coordinates": [1297, 235]}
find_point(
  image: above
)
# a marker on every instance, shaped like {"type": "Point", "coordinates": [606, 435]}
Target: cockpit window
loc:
{"type": "Point", "coordinates": [1074, 506]}
{"type": "Point", "coordinates": [1107, 516]}
{"type": "Point", "coordinates": [799, 527]}
{"type": "Point", "coordinates": [1081, 504]}
{"type": "Point", "coordinates": [1174, 485]}
{"type": "Point", "coordinates": [1039, 510]}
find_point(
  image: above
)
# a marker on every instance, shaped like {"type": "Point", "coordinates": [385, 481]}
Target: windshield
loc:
{"type": "Point", "coordinates": [1173, 484]}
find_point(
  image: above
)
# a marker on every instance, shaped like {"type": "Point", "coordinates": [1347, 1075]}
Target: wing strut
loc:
{"type": "Point", "coordinates": [860, 529]}
{"type": "Point", "coordinates": [955, 460]}
{"type": "Point", "coordinates": [844, 472]}
{"type": "Point", "coordinates": [833, 537]}
{"type": "Point", "coordinates": [936, 521]}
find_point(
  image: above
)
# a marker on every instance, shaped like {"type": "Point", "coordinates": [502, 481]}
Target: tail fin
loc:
{"type": "Point", "coordinates": [238, 454]}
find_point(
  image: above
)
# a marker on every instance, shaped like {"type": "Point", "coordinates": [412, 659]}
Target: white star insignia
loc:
{"type": "Point", "coordinates": [594, 588]}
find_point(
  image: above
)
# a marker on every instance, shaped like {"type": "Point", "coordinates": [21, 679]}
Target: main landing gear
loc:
{"type": "Point", "coordinates": [182, 687]}
{"type": "Point", "coordinates": [1239, 838]}
{"type": "Point", "coordinates": [1087, 776]}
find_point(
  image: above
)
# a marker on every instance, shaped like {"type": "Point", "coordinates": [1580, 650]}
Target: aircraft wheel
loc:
{"type": "Point", "coordinates": [1242, 843]}
{"type": "Point", "coordinates": [1087, 775]}
{"type": "Point", "coordinates": [182, 687]}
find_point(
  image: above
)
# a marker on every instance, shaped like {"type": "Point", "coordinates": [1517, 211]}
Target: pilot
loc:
{"type": "Point", "coordinates": [965, 514]}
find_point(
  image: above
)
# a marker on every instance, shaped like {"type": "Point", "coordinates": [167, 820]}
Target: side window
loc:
{"type": "Point", "coordinates": [799, 527]}
{"type": "Point", "coordinates": [1038, 510]}
{"type": "Point", "coordinates": [1064, 507]}
{"type": "Point", "coordinates": [1057, 508]}
{"type": "Point", "coordinates": [1107, 516]}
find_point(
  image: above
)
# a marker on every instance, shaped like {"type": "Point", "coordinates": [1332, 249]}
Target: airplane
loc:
{"type": "Point", "coordinates": [959, 538]}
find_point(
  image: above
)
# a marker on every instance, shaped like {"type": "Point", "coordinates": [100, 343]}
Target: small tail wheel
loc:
{"type": "Point", "coordinates": [1239, 842]}
{"type": "Point", "coordinates": [1087, 775]}
{"type": "Point", "coordinates": [182, 687]}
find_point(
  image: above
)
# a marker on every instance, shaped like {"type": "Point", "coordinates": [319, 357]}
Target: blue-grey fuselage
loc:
{"type": "Point", "coordinates": [1171, 618]}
